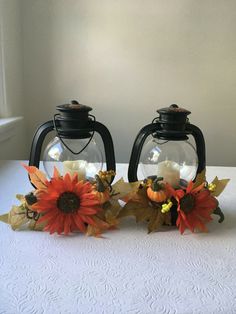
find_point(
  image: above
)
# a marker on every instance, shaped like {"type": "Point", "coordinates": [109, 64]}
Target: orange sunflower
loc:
{"type": "Point", "coordinates": [66, 204]}
{"type": "Point", "coordinates": [195, 206]}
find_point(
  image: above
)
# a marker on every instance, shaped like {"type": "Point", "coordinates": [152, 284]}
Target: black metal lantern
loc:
{"type": "Point", "coordinates": [74, 148]}
{"type": "Point", "coordinates": [163, 149]}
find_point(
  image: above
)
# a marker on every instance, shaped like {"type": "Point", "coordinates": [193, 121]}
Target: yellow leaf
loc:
{"type": "Point", "coordinates": [142, 197]}
{"type": "Point", "coordinates": [201, 178]}
{"type": "Point", "coordinates": [110, 212]}
{"type": "Point", "coordinates": [111, 219]}
{"type": "Point", "coordinates": [158, 219]}
{"type": "Point", "coordinates": [138, 197]}
{"type": "Point", "coordinates": [121, 189]}
{"type": "Point", "coordinates": [4, 218]}
{"type": "Point", "coordinates": [167, 218]}
{"type": "Point", "coordinates": [93, 231]}
{"type": "Point", "coordinates": [220, 186]}
{"type": "Point", "coordinates": [20, 198]}
{"type": "Point", "coordinates": [137, 210]}
{"type": "Point", "coordinates": [34, 225]}
{"type": "Point", "coordinates": [17, 217]}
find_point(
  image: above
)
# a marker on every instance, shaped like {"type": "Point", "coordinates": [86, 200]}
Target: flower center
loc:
{"type": "Point", "coordinates": [187, 203]}
{"type": "Point", "coordinates": [68, 202]}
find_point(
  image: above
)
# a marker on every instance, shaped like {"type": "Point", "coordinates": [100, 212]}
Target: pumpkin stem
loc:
{"type": "Point", "coordinates": [156, 186]}
{"type": "Point", "coordinates": [100, 184]}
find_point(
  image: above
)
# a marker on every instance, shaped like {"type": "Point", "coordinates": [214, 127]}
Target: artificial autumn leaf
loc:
{"type": "Point", "coordinates": [153, 215]}
{"type": "Point", "coordinates": [93, 231]}
{"type": "Point", "coordinates": [121, 189]}
{"type": "Point", "coordinates": [4, 218]}
{"type": "Point", "coordinates": [111, 209]}
{"type": "Point", "coordinates": [110, 212]}
{"type": "Point", "coordinates": [20, 198]}
{"type": "Point", "coordinates": [37, 177]}
{"type": "Point", "coordinates": [20, 220]}
{"type": "Point", "coordinates": [106, 177]}
{"type": "Point", "coordinates": [98, 227]}
{"type": "Point", "coordinates": [167, 219]}
{"type": "Point", "coordinates": [137, 210]}
{"type": "Point", "coordinates": [138, 205]}
{"type": "Point", "coordinates": [158, 219]}
{"type": "Point", "coordinates": [155, 221]}
{"type": "Point", "coordinates": [34, 225]}
{"type": "Point", "coordinates": [220, 186]}
{"type": "Point", "coordinates": [17, 217]}
{"type": "Point", "coordinates": [201, 178]}
{"type": "Point", "coordinates": [139, 197]}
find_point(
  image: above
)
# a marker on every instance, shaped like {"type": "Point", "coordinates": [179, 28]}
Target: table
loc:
{"type": "Point", "coordinates": [128, 271]}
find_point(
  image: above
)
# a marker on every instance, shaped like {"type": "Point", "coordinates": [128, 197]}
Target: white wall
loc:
{"type": "Point", "coordinates": [126, 58]}
{"type": "Point", "coordinates": [11, 36]}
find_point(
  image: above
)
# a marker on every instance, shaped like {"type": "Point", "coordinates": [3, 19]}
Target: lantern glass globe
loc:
{"type": "Point", "coordinates": [175, 161]}
{"type": "Point", "coordinates": [87, 163]}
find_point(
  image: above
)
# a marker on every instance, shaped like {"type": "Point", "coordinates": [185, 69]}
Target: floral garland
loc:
{"type": "Point", "coordinates": [65, 204]}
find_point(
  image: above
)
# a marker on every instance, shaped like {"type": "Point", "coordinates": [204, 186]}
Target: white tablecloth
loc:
{"type": "Point", "coordinates": [128, 271]}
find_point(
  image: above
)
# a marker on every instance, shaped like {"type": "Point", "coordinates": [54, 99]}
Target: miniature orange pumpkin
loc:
{"type": "Point", "coordinates": [156, 192]}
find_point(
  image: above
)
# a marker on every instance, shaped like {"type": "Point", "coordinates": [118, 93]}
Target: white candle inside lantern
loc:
{"type": "Point", "coordinates": [170, 171]}
{"type": "Point", "coordinates": [75, 166]}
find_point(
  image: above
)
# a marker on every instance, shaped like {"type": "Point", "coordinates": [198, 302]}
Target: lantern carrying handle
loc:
{"type": "Point", "coordinates": [37, 142]}
{"type": "Point", "coordinates": [200, 145]}
{"type": "Point", "coordinates": [154, 127]}
{"type": "Point", "coordinates": [63, 142]}
{"type": "Point", "coordinates": [137, 148]}
{"type": "Point", "coordinates": [108, 145]}
{"type": "Point", "coordinates": [95, 126]}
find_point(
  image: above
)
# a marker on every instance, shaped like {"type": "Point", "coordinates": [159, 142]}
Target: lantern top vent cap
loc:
{"type": "Point", "coordinates": [73, 107]}
{"type": "Point", "coordinates": [174, 109]}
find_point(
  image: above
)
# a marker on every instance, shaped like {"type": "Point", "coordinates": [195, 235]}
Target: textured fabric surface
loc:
{"type": "Point", "coordinates": [127, 271]}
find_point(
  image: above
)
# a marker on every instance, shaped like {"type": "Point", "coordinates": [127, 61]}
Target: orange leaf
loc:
{"type": "Point", "coordinates": [56, 173]}
{"type": "Point", "coordinates": [37, 178]}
